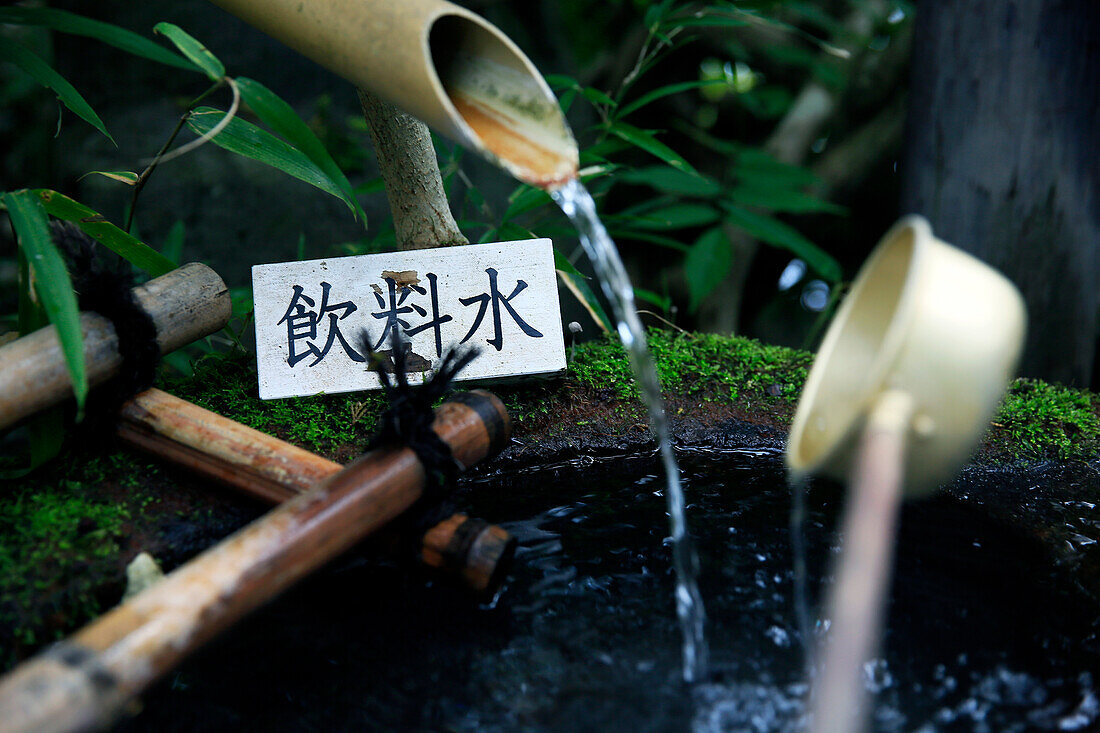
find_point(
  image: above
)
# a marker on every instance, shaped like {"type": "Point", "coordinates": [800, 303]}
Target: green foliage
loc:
{"type": "Point", "coordinates": [137, 253]}
{"type": "Point", "coordinates": [71, 23]}
{"type": "Point", "coordinates": [197, 53]}
{"type": "Point", "coordinates": [706, 264]}
{"type": "Point", "coordinates": [693, 206]}
{"type": "Point", "coordinates": [280, 117]}
{"type": "Point", "coordinates": [31, 63]}
{"type": "Point", "coordinates": [244, 138]}
{"type": "Point", "coordinates": [45, 284]}
{"type": "Point", "coordinates": [48, 282]}
{"type": "Point", "coordinates": [1044, 421]}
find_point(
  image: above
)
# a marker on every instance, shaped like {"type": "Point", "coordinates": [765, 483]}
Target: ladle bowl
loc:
{"type": "Point", "coordinates": [925, 319]}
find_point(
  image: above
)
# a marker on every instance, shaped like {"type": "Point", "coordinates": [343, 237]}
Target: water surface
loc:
{"type": "Point", "coordinates": [983, 633]}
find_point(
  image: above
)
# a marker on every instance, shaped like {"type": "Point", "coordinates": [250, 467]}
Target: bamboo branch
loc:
{"type": "Point", "coordinates": [406, 157]}
{"type": "Point", "coordinates": [185, 304]}
{"type": "Point", "coordinates": [271, 470]}
{"type": "Point", "coordinates": [86, 681]}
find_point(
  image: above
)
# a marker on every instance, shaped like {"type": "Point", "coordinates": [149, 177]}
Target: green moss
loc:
{"type": "Point", "coordinates": [1043, 421]}
{"type": "Point", "coordinates": [57, 543]}
{"type": "Point", "coordinates": [1037, 421]}
{"type": "Point", "coordinates": [322, 424]}
{"type": "Point", "coordinates": [709, 366]}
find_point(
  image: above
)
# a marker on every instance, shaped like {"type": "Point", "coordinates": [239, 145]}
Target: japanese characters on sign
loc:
{"type": "Point", "coordinates": [501, 298]}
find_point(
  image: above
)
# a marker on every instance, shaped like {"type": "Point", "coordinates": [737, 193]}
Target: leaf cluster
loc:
{"type": "Point", "coordinates": [690, 211]}
{"type": "Point", "coordinates": [46, 293]}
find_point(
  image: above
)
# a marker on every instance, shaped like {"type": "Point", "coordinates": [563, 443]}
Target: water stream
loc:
{"type": "Point", "coordinates": [577, 203]}
{"type": "Point", "coordinates": [799, 485]}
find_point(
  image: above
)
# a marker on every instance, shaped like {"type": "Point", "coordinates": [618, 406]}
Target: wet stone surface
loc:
{"type": "Point", "coordinates": [985, 631]}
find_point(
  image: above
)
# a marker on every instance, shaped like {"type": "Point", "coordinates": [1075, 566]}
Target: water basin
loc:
{"type": "Point", "coordinates": [983, 634]}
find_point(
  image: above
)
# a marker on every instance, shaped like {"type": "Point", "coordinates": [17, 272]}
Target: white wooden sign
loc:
{"type": "Point", "coordinates": [500, 298]}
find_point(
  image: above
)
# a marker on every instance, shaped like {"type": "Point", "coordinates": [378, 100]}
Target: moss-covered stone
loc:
{"type": "Point", "coordinates": [1047, 421]}
{"type": "Point", "coordinates": [68, 530]}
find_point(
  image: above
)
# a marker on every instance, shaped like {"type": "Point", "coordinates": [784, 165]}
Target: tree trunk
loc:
{"type": "Point", "coordinates": [406, 157]}
{"type": "Point", "coordinates": [1002, 157]}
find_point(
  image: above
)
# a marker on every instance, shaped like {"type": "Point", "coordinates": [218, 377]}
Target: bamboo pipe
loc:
{"type": "Point", "coordinates": [86, 681]}
{"type": "Point", "coordinates": [441, 63]}
{"type": "Point", "coordinates": [856, 601]}
{"type": "Point", "coordinates": [185, 304]}
{"type": "Point", "coordinates": [272, 470]}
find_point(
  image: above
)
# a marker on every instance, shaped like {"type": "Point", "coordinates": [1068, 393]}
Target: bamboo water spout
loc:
{"type": "Point", "coordinates": [439, 62]}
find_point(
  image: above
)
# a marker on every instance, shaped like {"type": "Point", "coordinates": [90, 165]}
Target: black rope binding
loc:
{"type": "Point", "coordinates": [109, 294]}
{"type": "Point", "coordinates": [408, 419]}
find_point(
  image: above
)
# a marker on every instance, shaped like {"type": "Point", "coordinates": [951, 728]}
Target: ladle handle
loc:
{"type": "Point", "coordinates": [856, 600]}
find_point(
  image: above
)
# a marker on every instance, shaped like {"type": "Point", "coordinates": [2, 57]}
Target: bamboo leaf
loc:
{"type": "Point", "coordinates": [562, 263]}
{"type": "Point", "coordinates": [661, 301]}
{"type": "Point", "coordinates": [281, 117]}
{"type": "Point", "coordinates": [93, 224]}
{"type": "Point", "coordinates": [577, 284]}
{"type": "Point", "coordinates": [597, 96]}
{"type": "Point", "coordinates": [665, 91]}
{"type": "Point", "coordinates": [776, 233]}
{"type": "Point", "coordinates": [246, 139]}
{"type": "Point", "coordinates": [584, 295]}
{"type": "Point", "coordinates": [708, 21]}
{"type": "Point", "coordinates": [677, 216]}
{"type": "Point", "coordinates": [706, 265]}
{"type": "Point", "coordinates": [625, 233]}
{"type": "Point", "coordinates": [558, 82]}
{"type": "Point", "coordinates": [128, 177]}
{"type": "Point", "coordinates": [759, 169]}
{"type": "Point", "coordinates": [670, 180]}
{"type": "Point", "coordinates": [647, 142]}
{"type": "Point", "coordinates": [173, 243]}
{"type": "Point", "coordinates": [198, 54]}
{"type": "Point", "coordinates": [524, 199]}
{"type": "Point", "coordinates": [33, 64]}
{"type": "Point", "coordinates": [77, 25]}
{"type": "Point", "coordinates": [512, 232]}
{"type": "Point", "coordinates": [51, 282]}
{"type": "Point", "coordinates": [786, 200]}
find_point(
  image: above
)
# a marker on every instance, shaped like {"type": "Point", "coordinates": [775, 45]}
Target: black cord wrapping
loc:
{"type": "Point", "coordinates": [109, 294]}
{"type": "Point", "coordinates": [408, 419]}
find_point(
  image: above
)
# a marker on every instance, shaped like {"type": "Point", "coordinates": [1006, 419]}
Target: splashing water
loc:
{"type": "Point", "coordinates": [578, 205]}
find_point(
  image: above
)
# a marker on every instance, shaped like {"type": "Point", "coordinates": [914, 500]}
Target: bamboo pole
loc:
{"type": "Point", "coordinates": [186, 304]}
{"type": "Point", "coordinates": [441, 63]}
{"type": "Point", "coordinates": [472, 551]}
{"type": "Point", "coordinates": [86, 681]}
{"type": "Point", "coordinates": [856, 601]}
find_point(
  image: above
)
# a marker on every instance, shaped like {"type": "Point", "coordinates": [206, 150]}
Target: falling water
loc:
{"type": "Point", "coordinates": [578, 205]}
{"type": "Point", "coordinates": [798, 483]}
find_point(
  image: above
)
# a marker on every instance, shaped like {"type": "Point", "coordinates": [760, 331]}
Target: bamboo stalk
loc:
{"type": "Point", "coordinates": [272, 470]}
{"type": "Point", "coordinates": [186, 304]}
{"type": "Point", "coordinates": [85, 681]}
